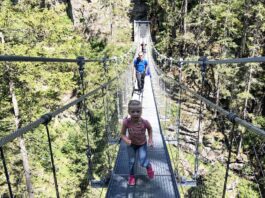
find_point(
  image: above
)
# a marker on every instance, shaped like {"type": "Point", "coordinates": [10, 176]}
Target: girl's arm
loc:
{"type": "Point", "coordinates": [150, 136]}
{"type": "Point", "coordinates": [123, 135]}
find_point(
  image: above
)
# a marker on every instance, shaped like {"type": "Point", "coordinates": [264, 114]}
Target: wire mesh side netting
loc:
{"type": "Point", "coordinates": [73, 136]}
{"type": "Point", "coordinates": [207, 143]}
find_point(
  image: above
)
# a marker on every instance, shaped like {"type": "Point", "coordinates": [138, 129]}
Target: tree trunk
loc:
{"type": "Point", "coordinates": [243, 40]}
{"type": "Point", "coordinates": [244, 34]}
{"type": "Point", "coordinates": [2, 38]}
{"type": "Point", "coordinates": [217, 93]}
{"type": "Point", "coordinates": [23, 150]}
{"type": "Point", "coordinates": [174, 25]}
{"type": "Point", "coordinates": [185, 10]}
{"type": "Point", "coordinates": [185, 16]}
{"type": "Point", "coordinates": [244, 113]}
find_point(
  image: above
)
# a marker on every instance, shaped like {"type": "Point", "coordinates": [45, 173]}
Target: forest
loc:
{"type": "Point", "coordinates": [219, 30]}
{"type": "Point", "coordinates": [187, 29]}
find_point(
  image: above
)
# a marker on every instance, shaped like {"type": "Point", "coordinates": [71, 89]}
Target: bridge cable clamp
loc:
{"type": "Point", "coordinates": [81, 62]}
{"type": "Point", "coordinates": [231, 117]}
{"type": "Point", "coordinates": [47, 118]}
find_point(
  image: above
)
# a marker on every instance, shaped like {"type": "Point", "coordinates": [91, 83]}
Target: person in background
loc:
{"type": "Point", "coordinates": [143, 47]}
{"type": "Point", "coordinates": [140, 65]}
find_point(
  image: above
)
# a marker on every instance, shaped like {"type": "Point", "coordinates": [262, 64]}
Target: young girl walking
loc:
{"type": "Point", "coordinates": [136, 139]}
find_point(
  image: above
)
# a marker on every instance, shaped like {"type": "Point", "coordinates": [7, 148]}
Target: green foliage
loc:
{"type": "Point", "coordinates": [43, 87]}
{"type": "Point", "coordinates": [245, 189]}
{"type": "Point", "coordinates": [219, 30]}
{"type": "Point", "coordinates": [260, 121]}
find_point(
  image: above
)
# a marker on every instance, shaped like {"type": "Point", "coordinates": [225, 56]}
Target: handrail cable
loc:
{"type": "Point", "coordinates": [163, 139]}
{"type": "Point", "coordinates": [14, 58]}
{"type": "Point", "coordinates": [162, 136]}
{"type": "Point", "coordinates": [44, 59]}
{"type": "Point", "coordinates": [232, 117]}
{"type": "Point", "coordinates": [161, 73]}
{"type": "Point", "coordinates": [260, 59]}
{"type": "Point", "coordinates": [39, 121]}
{"type": "Point", "coordinates": [46, 118]}
{"type": "Point", "coordinates": [224, 112]}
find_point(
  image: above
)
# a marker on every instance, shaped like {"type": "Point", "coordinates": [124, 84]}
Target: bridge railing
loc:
{"type": "Point", "coordinates": [198, 128]}
{"type": "Point", "coordinates": [93, 113]}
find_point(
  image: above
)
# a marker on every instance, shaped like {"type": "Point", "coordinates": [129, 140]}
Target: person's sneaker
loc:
{"type": "Point", "coordinates": [131, 180]}
{"type": "Point", "coordinates": [150, 172]}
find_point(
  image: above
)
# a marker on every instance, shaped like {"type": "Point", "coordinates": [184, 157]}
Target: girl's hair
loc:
{"type": "Point", "coordinates": [134, 103]}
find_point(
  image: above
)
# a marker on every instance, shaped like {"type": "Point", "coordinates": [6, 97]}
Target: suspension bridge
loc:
{"type": "Point", "coordinates": [158, 90]}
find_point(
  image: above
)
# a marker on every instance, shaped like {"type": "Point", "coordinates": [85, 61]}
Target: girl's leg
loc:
{"type": "Point", "coordinates": [143, 156]}
{"type": "Point", "coordinates": [139, 80]}
{"type": "Point", "coordinates": [131, 154]}
{"type": "Point", "coordinates": [145, 162]}
{"type": "Point", "coordinates": [142, 80]}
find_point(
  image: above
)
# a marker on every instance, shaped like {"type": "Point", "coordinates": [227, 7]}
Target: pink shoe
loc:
{"type": "Point", "coordinates": [131, 180]}
{"type": "Point", "coordinates": [150, 172]}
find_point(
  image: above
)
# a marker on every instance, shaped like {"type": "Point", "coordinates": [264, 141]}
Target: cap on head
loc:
{"type": "Point", "coordinates": [140, 54]}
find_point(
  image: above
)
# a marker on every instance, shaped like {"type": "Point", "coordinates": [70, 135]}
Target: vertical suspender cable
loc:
{"type": "Point", "coordinates": [260, 166]}
{"type": "Point", "coordinates": [106, 120]}
{"type": "Point", "coordinates": [257, 159]}
{"type": "Point", "coordinates": [166, 112]}
{"type": "Point", "coordinates": [231, 117]}
{"type": "Point", "coordinates": [117, 90]}
{"type": "Point", "coordinates": [106, 115]}
{"type": "Point", "coordinates": [6, 172]}
{"type": "Point", "coordinates": [81, 63]}
{"type": "Point", "coordinates": [170, 87]}
{"type": "Point", "coordinates": [203, 73]}
{"type": "Point", "coordinates": [124, 78]}
{"type": "Point", "coordinates": [165, 108]}
{"type": "Point", "coordinates": [133, 80]}
{"type": "Point", "coordinates": [105, 106]}
{"type": "Point", "coordinates": [118, 100]}
{"type": "Point", "coordinates": [47, 118]}
{"type": "Point", "coordinates": [105, 103]}
{"type": "Point", "coordinates": [179, 112]}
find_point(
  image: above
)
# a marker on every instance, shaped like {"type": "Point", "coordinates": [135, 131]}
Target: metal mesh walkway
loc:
{"type": "Point", "coordinates": [164, 183]}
